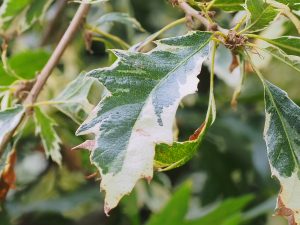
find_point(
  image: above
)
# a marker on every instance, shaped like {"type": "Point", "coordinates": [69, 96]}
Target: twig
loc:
{"type": "Point", "coordinates": [55, 57]}
{"type": "Point", "coordinates": [52, 62]}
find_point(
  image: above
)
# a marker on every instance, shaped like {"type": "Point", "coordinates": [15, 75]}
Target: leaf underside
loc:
{"type": "Point", "coordinates": [145, 91]}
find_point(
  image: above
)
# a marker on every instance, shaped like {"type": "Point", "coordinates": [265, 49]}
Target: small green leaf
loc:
{"type": "Point", "coordinates": [79, 97]}
{"type": "Point", "coordinates": [289, 60]}
{"type": "Point", "coordinates": [9, 119]}
{"type": "Point", "coordinates": [261, 15]}
{"type": "Point", "coordinates": [289, 44]}
{"type": "Point", "coordinates": [145, 91]}
{"type": "Point", "coordinates": [50, 139]}
{"type": "Point", "coordinates": [117, 17]}
{"type": "Point", "coordinates": [226, 213]}
{"type": "Point", "coordinates": [175, 210]}
{"type": "Point", "coordinates": [22, 63]}
{"type": "Point", "coordinates": [281, 133]}
{"type": "Point", "coordinates": [229, 5]}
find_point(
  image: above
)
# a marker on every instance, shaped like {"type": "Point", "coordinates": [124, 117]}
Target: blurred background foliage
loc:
{"type": "Point", "coordinates": [228, 182]}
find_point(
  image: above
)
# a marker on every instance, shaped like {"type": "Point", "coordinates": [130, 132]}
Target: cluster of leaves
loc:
{"type": "Point", "coordinates": [130, 106]}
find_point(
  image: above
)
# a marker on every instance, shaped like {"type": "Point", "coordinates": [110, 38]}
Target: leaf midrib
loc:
{"type": "Point", "coordinates": [283, 126]}
{"type": "Point", "coordinates": [282, 45]}
{"type": "Point", "coordinates": [165, 77]}
{"type": "Point", "coordinates": [258, 18]}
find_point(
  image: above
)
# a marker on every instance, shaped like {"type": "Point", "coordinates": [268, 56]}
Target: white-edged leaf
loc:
{"type": "Point", "coordinates": [9, 119]}
{"type": "Point", "coordinates": [261, 15]}
{"type": "Point", "coordinates": [19, 15]}
{"type": "Point", "coordinates": [289, 44]}
{"type": "Point", "coordinates": [281, 133]}
{"type": "Point", "coordinates": [145, 91]}
{"type": "Point", "coordinates": [50, 139]}
{"type": "Point", "coordinates": [118, 17]}
{"type": "Point", "coordinates": [292, 61]}
{"type": "Point", "coordinates": [79, 97]}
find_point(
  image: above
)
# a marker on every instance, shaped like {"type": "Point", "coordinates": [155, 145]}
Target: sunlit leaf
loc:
{"type": "Point", "coordinates": [146, 89]}
{"type": "Point", "coordinates": [50, 139]}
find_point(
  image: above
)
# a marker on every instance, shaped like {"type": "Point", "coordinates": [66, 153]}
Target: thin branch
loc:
{"type": "Point", "coordinates": [51, 64]}
{"type": "Point", "coordinates": [55, 57]}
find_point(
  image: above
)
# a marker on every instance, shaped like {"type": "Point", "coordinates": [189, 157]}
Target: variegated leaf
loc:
{"type": "Point", "coordinates": [282, 132]}
{"type": "Point", "coordinates": [50, 139]}
{"type": "Point", "coordinates": [9, 119]}
{"type": "Point", "coordinates": [145, 91]}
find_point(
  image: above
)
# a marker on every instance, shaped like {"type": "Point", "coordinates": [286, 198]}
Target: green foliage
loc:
{"type": "Point", "coordinates": [50, 140]}
{"type": "Point", "coordinates": [150, 107]}
{"type": "Point", "coordinates": [261, 15]}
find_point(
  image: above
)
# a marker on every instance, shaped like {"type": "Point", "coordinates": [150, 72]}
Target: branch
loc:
{"type": "Point", "coordinates": [189, 11]}
{"type": "Point", "coordinates": [55, 57]}
{"type": "Point", "coordinates": [51, 64]}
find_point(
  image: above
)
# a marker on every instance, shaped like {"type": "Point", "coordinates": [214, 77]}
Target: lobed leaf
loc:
{"type": "Point", "coordinates": [50, 139]}
{"type": "Point", "coordinates": [281, 133]}
{"type": "Point", "coordinates": [261, 15]}
{"type": "Point", "coordinates": [145, 91]}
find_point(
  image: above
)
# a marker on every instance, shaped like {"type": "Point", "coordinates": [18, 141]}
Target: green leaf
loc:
{"type": "Point", "coordinates": [281, 133]}
{"type": "Point", "coordinates": [226, 213]}
{"type": "Point", "coordinates": [168, 157]}
{"type": "Point", "coordinates": [261, 15]}
{"type": "Point", "coordinates": [19, 15]}
{"type": "Point", "coordinates": [22, 65]}
{"type": "Point", "coordinates": [36, 12]}
{"type": "Point", "coordinates": [11, 9]}
{"type": "Point", "coordinates": [229, 5]}
{"type": "Point", "coordinates": [292, 4]}
{"type": "Point", "coordinates": [117, 17]}
{"type": "Point", "coordinates": [9, 119]}
{"type": "Point", "coordinates": [289, 60]}
{"type": "Point", "coordinates": [50, 139]}
{"type": "Point", "coordinates": [79, 97]}
{"type": "Point", "coordinates": [289, 44]}
{"type": "Point", "coordinates": [175, 210]}
{"type": "Point", "coordinates": [145, 89]}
